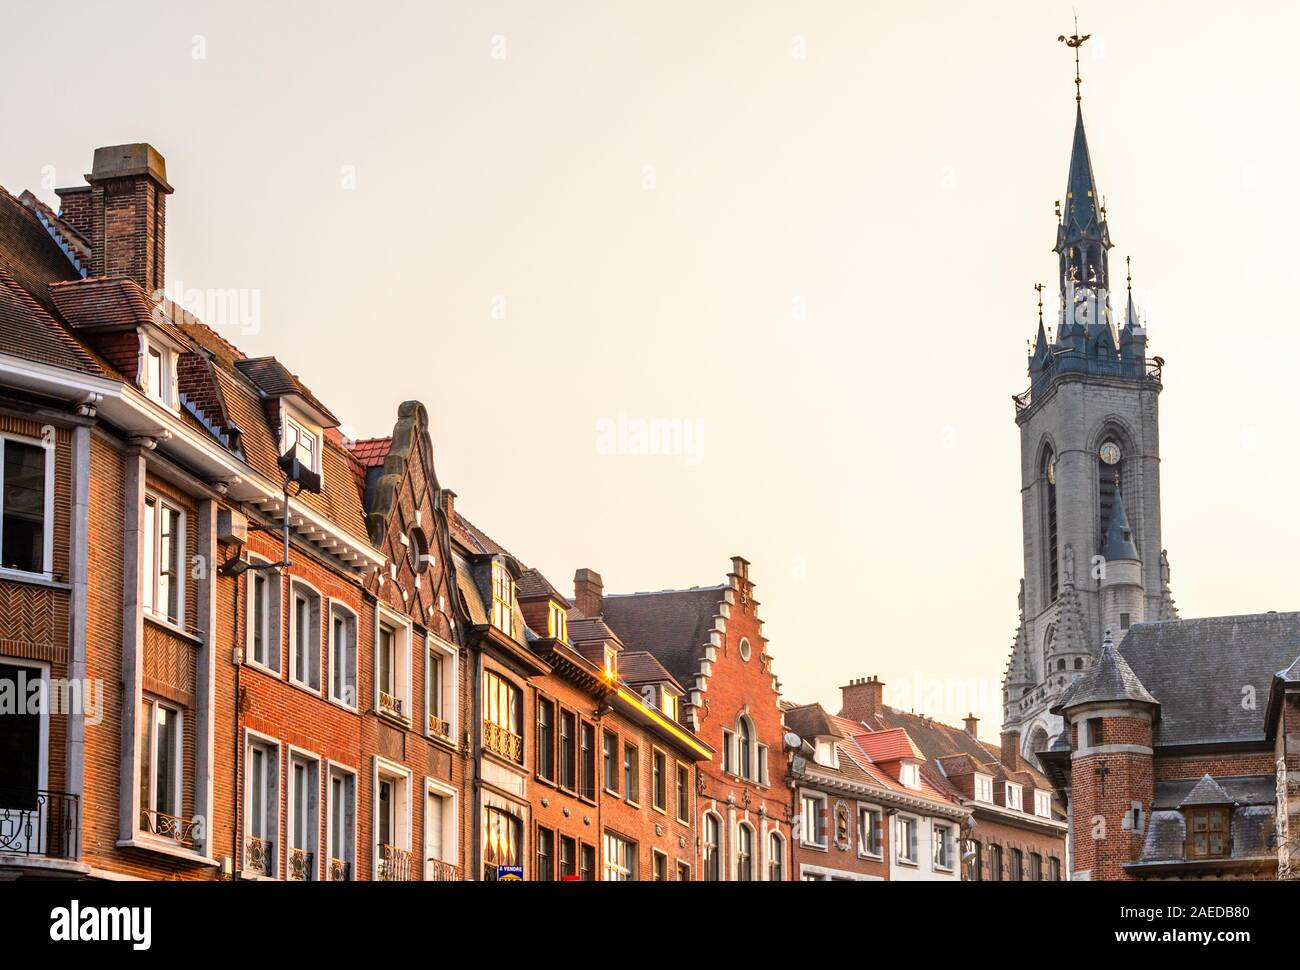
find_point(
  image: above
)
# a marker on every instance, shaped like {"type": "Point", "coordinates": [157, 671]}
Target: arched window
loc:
{"type": "Point", "coordinates": [1049, 638]}
{"type": "Point", "coordinates": [1051, 561]}
{"type": "Point", "coordinates": [775, 857]}
{"type": "Point", "coordinates": [745, 747]}
{"type": "Point", "coordinates": [744, 853]}
{"type": "Point", "coordinates": [712, 848]}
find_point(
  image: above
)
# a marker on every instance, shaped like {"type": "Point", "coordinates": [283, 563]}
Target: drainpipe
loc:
{"type": "Point", "coordinates": [476, 749]}
{"type": "Point", "coordinates": [234, 788]}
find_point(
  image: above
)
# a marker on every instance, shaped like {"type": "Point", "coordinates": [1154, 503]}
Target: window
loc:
{"type": "Point", "coordinates": [775, 858]}
{"type": "Point", "coordinates": [683, 871]}
{"type": "Point", "coordinates": [503, 598]}
{"type": "Point", "coordinates": [303, 443]}
{"type": "Point", "coordinates": [669, 703]}
{"type": "Point", "coordinates": [1051, 560]}
{"type": "Point", "coordinates": [440, 839]}
{"type": "Point", "coordinates": [611, 662]}
{"type": "Point", "coordinates": [995, 863]}
{"type": "Point", "coordinates": [1043, 804]}
{"type": "Point", "coordinates": [26, 505]}
{"type": "Point", "coordinates": [343, 655]}
{"type": "Point", "coordinates": [393, 668]}
{"type": "Point", "coordinates": [164, 540]}
{"type": "Point", "coordinates": [761, 777]}
{"type": "Point", "coordinates": [869, 832]}
{"type": "Point", "coordinates": [441, 686]}
{"type": "Point", "coordinates": [568, 751]}
{"type": "Point", "coordinates": [545, 854]}
{"type": "Point", "coordinates": [683, 793]}
{"type": "Point", "coordinates": [659, 780]}
{"type": "Point", "coordinates": [1015, 796]}
{"type": "Point", "coordinates": [304, 818]}
{"type": "Point", "coordinates": [160, 764]}
{"type": "Point", "coordinates": [942, 835]}
{"type": "Point", "coordinates": [501, 841]}
{"type": "Point", "coordinates": [631, 772]}
{"type": "Point", "coordinates": [557, 624]}
{"type": "Point", "coordinates": [261, 805]}
{"type": "Point", "coordinates": [587, 863]}
{"type": "Point", "coordinates": [1017, 865]}
{"type": "Point", "coordinates": [157, 380]}
{"type": "Point", "coordinates": [1096, 732]}
{"type": "Point", "coordinates": [744, 649]}
{"type": "Point", "coordinates": [568, 856]}
{"type": "Point", "coordinates": [712, 848]}
{"type": "Point", "coordinates": [984, 788]}
{"type": "Point", "coordinates": [1054, 868]}
{"type": "Point", "coordinates": [503, 722]}
{"type": "Point", "coordinates": [417, 550]}
{"type": "Point", "coordinates": [609, 754]}
{"type": "Point", "coordinates": [907, 851]}
{"type": "Point", "coordinates": [1035, 867]}
{"type": "Point", "coordinates": [744, 853]}
{"type": "Point", "coordinates": [546, 738]}
{"type": "Point", "coordinates": [745, 748]}
{"type": "Point", "coordinates": [726, 751]}
{"type": "Point", "coordinates": [660, 866]}
{"type": "Point", "coordinates": [1207, 832]}
{"type": "Point", "coordinates": [814, 820]}
{"type": "Point", "coordinates": [587, 760]}
{"type": "Point", "coordinates": [1125, 621]}
{"type": "Point", "coordinates": [975, 863]}
{"type": "Point", "coordinates": [263, 592]}
{"type": "Point", "coordinates": [304, 635]}
{"type": "Point", "coordinates": [910, 774]}
{"type": "Point", "coordinates": [341, 838]}
{"type": "Point", "coordinates": [620, 859]}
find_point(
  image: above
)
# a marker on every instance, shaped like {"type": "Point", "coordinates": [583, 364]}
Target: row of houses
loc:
{"type": "Point", "coordinates": [235, 644]}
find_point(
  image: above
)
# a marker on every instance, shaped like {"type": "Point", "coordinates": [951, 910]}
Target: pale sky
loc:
{"type": "Point", "coordinates": [809, 231]}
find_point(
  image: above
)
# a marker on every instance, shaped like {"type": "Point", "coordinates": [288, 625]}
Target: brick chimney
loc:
{"type": "Point", "coordinates": [862, 699]}
{"type": "Point", "coordinates": [588, 592]}
{"type": "Point", "coordinates": [972, 725]}
{"type": "Point", "coordinates": [447, 500]}
{"type": "Point", "coordinates": [126, 214]}
{"type": "Point", "coordinates": [1011, 750]}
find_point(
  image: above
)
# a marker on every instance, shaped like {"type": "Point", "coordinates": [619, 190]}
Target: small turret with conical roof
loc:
{"type": "Point", "coordinates": [1123, 597]}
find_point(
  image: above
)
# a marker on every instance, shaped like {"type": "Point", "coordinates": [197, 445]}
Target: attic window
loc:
{"type": "Point", "coordinates": [1015, 797]}
{"type": "Point", "coordinates": [158, 376]}
{"type": "Point", "coordinates": [303, 443]}
{"type": "Point", "coordinates": [503, 598]}
{"type": "Point", "coordinates": [910, 775]}
{"type": "Point", "coordinates": [1043, 804]}
{"type": "Point", "coordinates": [557, 625]}
{"type": "Point", "coordinates": [1207, 832]}
{"type": "Point", "coordinates": [417, 549]}
{"type": "Point", "coordinates": [983, 788]}
{"type": "Point", "coordinates": [744, 649]}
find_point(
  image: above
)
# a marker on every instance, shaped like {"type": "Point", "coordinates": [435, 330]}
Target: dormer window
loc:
{"type": "Point", "coordinates": [304, 443]}
{"type": "Point", "coordinates": [983, 788]}
{"type": "Point", "coordinates": [503, 597]}
{"type": "Point", "coordinates": [1043, 804]}
{"type": "Point", "coordinates": [611, 662]}
{"type": "Point", "coordinates": [824, 753]}
{"type": "Point", "coordinates": [158, 376]}
{"type": "Point", "coordinates": [1015, 797]}
{"type": "Point", "coordinates": [668, 703]}
{"type": "Point", "coordinates": [557, 623]}
{"type": "Point", "coordinates": [909, 773]}
{"type": "Point", "coordinates": [1207, 832]}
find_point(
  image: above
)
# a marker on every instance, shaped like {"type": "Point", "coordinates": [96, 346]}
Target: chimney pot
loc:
{"type": "Point", "coordinates": [972, 725]}
{"type": "Point", "coordinates": [128, 214]}
{"type": "Point", "coordinates": [862, 700]}
{"type": "Point", "coordinates": [1011, 750]}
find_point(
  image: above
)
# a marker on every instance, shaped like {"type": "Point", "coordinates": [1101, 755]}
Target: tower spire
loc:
{"type": "Point", "coordinates": [1075, 41]}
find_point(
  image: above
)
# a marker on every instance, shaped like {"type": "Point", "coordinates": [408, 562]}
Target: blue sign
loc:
{"type": "Point", "coordinates": [510, 873]}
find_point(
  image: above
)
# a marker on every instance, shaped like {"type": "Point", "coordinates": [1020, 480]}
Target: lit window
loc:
{"type": "Point", "coordinates": [303, 443]}
{"type": "Point", "coordinates": [503, 598]}
{"type": "Point", "coordinates": [620, 859]}
{"type": "Point", "coordinates": [503, 718]}
{"type": "Point", "coordinates": [161, 748]}
{"type": "Point", "coordinates": [25, 501]}
{"type": "Point", "coordinates": [557, 623]}
{"type": "Point", "coordinates": [164, 542]}
{"type": "Point", "coordinates": [668, 702]}
{"type": "Point", "coordinates": [502, 838]}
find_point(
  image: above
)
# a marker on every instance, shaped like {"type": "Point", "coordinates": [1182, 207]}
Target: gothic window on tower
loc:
{"type": "Point", "coordinates": [1051, 560]}
{"type": "Point", "coordinates": [1110, 459]}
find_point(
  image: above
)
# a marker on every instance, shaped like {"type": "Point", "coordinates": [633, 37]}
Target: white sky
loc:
{"type": "Point", "coordinates": [831, 273]}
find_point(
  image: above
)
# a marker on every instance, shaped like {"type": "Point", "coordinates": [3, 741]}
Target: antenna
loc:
{"type": "Point", "coordinates": [1075, 41]}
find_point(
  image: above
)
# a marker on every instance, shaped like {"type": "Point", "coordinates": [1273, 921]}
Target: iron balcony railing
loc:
{"type": "Point", "coordinates": [438, 727]}
{"type": "Point", "coordinates": [388, 704]}
{"type": "Point", "coordinates": [169, 827]}
{"type": "Point", "coordinates": [340, 870]}
{"type": "Point", "coordinates": [435, 870]}
{"type": "Point", "coordinates": [300, 865]}
{"type": "Point", "coordinates": [502, 741]}
{"type": "Point", "coordinates": [394, 864]}
{"type": "Point", "coordinates": [43, 823]}
{"type": "Point", "coordinates": [258, 854]}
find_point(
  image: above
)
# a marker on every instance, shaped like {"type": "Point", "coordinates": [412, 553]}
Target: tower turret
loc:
{"type": "Point", "coordinates": [1122, 596]}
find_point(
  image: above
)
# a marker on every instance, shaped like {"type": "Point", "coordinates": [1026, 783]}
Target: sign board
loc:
{"type": "Point", "coordinates": [510, 873]}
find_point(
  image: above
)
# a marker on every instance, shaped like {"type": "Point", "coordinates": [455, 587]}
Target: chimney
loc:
{"type": "Point", "coordinates": [862, 699]}
{"type": "Point", "coordinates": [127, 214]}
{"type": "Point", "coordinates": [588, 592]}
{"type": "Point", "coordinates": [972, 725]}
{"type": "Point", "coordinates": [1011, 750]}
{"type": "Point", "coordinates": [447, 501]}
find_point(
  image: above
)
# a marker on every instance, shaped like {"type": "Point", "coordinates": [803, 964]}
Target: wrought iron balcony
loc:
{"type": "Point", "coordinates": [300, 865]}
{"type": "Point", "coordinates": [438, 727]}
{"type": "Point", "coordinates": [340, 870]}
{"type": "Point", "coordinates": [436, 870]}
{"type": "Point", "coordinates": [169, 827]}
{"type": "Point", "coordinates": [258, 854]}
{"type": "Point", "coordinates": [502, 741]}
{"type": "Point", "coordinates": [394, 864]}
{"type": "Point", "coordinates": [46, 823]}
{"type": "Point", "coordinates": [388, 704]}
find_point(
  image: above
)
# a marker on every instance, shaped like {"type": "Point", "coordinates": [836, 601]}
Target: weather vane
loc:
{"type": "Point", "coordinates": [1075, 41]}
{"type": "Point", "coordinates": [1039, 288]}
{"type": "Point", "coordinates": [1128, 266]}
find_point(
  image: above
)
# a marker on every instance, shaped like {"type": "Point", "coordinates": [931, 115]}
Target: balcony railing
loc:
{"type": "Point", "coordinates": [340, 870]}
{"type": "Point", "coordinates": [502, 741]}
{"type": "Point", "coordinates": [435, 870]}
{"type": "Point", "coordinates": [394, 864]}
{"type": "Point", "coordinates": [388, 704]}
{"type": "Point", "coordinates": [300, 865]}
{"type": "Point", "coordinates": [258, 854]}
{"type": "Point", "coordinates": [169, 827]}
{"type": "Point", "coordinates": [47, 823]}
{"type": "Point", "coordinates": [438, 727]}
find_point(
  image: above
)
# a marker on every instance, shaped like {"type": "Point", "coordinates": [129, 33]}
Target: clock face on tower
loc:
{"type": "Point", "coordinates": [1109, 453]}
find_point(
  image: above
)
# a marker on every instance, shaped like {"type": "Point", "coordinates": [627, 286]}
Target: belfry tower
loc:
{"type": "Point", "coordinates": [1089, 469]}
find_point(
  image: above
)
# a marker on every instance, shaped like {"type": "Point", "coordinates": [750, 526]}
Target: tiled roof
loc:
{"type": "Point", "coordinates": [673, 625]}
{"type": "Point", "coordinates": [273, 379]}
{"type": "Point", "coordinates": [29, 332]}
{"type": "Point", "coordinates": [29, 253]}
{"type": "Point", "coordinates": [531, 584]}
{"type": "Point", "coordinates": [639, 667]}
{"type": "Point", "coordinates": [891, 745]}
{"type": "Point", "coordinates": [371, 452]}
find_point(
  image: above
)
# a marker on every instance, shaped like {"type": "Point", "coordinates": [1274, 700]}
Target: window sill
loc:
{"type": "Point", "coordinates": [33, 579]}
{"type": "Point", "coordinates": [352, 708]}
{"type": "Point", "coordinates": [263, 668]}
{"type": "Point", "coordinates": [399, 719]}
{"type": "Point", "coordinates": [910, 863]}
{"type": "Point", "coordinates": [632, 802]}
{"type": "Point", "coordinates": [145, 843]}
{"type": "Point", "coordinates": [171, 626]}
{"type": "Point", "coordinates": [305, 687]}
{"type": "Point", "coordinates": [815, 846]}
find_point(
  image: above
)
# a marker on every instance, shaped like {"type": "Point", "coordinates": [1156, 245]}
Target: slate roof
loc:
{"type": "Point", "coordinates": [1207, 791]}
{"type": "Point", "coordinates": [640, 667]}
{"type": "Point", "coordinates": [1198, 669]}
{"type": "Point", "coordinates": [1119, 535]}
{"type": "Point", "coordinates": [1110, 679]}
{"type": "Point", "coordinates": [1240, 790]}
{"type": "Point", "coordinates": [531, 584]}
{"type": "Point", "coordinates": [673, 625]}
{"type": "Point", "coordinates": [1251, 834]}
{"type": "Point", "coordinates": [273, 379]}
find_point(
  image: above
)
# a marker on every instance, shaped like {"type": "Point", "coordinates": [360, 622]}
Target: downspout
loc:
{"type": "Point", "coordinates": [234, 788]}
{"type": "Point", "coordinates": [476, 748]}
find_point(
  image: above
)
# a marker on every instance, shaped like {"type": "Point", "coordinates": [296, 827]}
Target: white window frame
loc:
{"type": "Point", "coordinates": [274, 592]}
{"type": "Point", "coordinates": [182, 557]}
{"type": "Point", "coordinates": [313, 763]}
{"type": "Point", "coordinates": [808, 838]}
{"type": "Point", "coordinates": [938, 830]}
{"type": "Point", "coordinates": [1042, 803]}
{"type": "Point", "coordinates": [557, 621]}
{"type": "Point", "coordinates": [165, 394]}
{"type": "Point", "coordinates": [1018, 801]}
{"type": "Point", "coordinates": [334, 770]}
{"type": "Point", "coordinates": [449, 684]}
{"type": "Point", "coordinates": [983, 788]}
{"type": "Point", "coordinates": [47, 509]}
{"type": "Point", "coordinates": [331, 660]}
{"type": "Point", "coordinates": [755, 851]}
{"type": "Point", "coordinates": [909, 775]}
{"type": "Point", "coordinates": [272, 820]}
{"type": "Point", "coordinates": [745, 751]}
{"type": "Point", "coordinates": [719, 847]}
{"type": "Point", "coordinates": [401, 627]}
{"type": "Point", "coordinates": [864, 840]}
{"type": "Point", "coordinates": [296, 587]}
{"type": "Point", "coordinates": [614, 871]}
{"type": "Point", "coordinates": [178, 780]}
{"type": "Point", "coordinates": [774, 838]}
{"type": "Point", "coordinates": [450, 830]}
{"type": "Point", "coordinates": [501, 610]}
{"type": "Point", "coordinates": [902, 845]}
{"type": "Point", "coordinates": [404, 777]}
{"type": "Point", "coordinates": [295, 427]}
